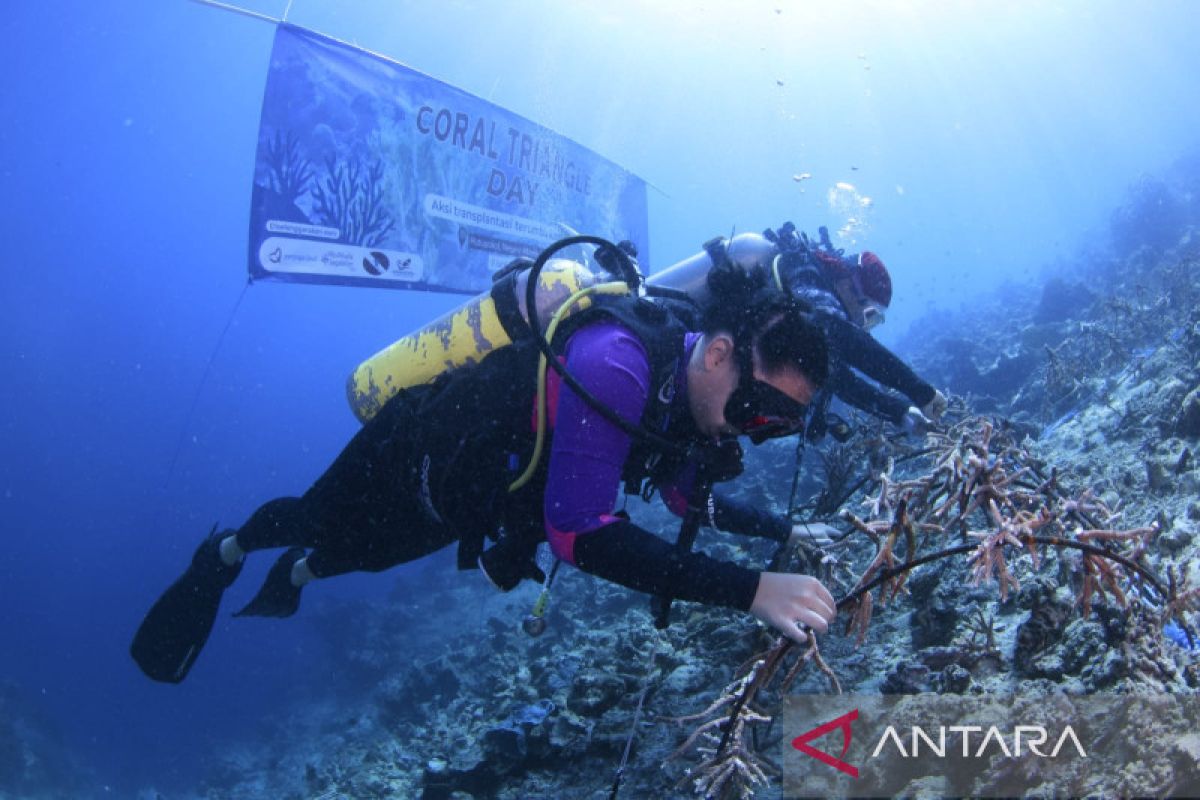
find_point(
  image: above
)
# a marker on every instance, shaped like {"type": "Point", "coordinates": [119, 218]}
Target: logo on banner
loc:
{"type": "Point", "coordinates": [376, 263]}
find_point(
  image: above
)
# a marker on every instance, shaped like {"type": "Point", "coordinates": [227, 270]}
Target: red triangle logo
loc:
{"type": "Point", "coordinates": [801, 742]}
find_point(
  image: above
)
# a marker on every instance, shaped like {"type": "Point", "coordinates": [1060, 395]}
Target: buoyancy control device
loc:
{"type": "Point", "coordinates": [556, 288]}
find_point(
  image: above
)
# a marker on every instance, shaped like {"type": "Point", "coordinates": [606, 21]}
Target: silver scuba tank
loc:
{"type": "Point", "coordinates": [690, 275]}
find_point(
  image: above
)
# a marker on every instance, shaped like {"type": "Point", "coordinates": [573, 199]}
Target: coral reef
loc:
{"type": "Point", "coordinates": [977, 484]}
{"type": "Point", "coordinates": [1053, 524]}
{"type": "Point", "coordinates": [34, 762]}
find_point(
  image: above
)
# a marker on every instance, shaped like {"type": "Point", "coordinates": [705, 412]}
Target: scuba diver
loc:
{"type": "Point", "coordinates": [849, 295]}
{"type": "Point", "coordinates": [638, 394]}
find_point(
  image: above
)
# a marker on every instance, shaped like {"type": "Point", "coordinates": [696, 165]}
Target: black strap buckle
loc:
{"type": "Point", "coordinates": [717, 250]}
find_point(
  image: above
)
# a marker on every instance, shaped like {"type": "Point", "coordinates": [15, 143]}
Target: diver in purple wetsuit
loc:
{"type": "Point", "coordinates": [435, 466]}
{"type": "Point", "coordinates": [589, 454]}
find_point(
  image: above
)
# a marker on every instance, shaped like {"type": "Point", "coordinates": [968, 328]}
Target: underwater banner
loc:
{"type": "Point", "coordinates": [370, 173]}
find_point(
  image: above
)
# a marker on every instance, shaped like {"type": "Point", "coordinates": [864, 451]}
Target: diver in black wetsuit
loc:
{"type": "Point", "coordinates": [437, 465]}
{"type": "Point", "coordinates": [849, 295]}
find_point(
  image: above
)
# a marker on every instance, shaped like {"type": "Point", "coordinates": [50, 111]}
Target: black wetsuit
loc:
{"type": "Point", "coordinates": [853, 348]}
{"type": "Point", "coordinates": [434, 465]}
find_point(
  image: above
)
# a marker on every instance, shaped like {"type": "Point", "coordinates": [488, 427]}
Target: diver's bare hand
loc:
{"type": "Point", "coordinates": [787, 601]}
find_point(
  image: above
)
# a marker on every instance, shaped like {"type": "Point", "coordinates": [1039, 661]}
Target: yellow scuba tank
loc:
{"type": "Point", "coordinates": [465, 335]}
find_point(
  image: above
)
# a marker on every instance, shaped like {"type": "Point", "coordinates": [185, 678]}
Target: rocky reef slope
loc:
{"type": "Point", "coordinates": [1094, 374]}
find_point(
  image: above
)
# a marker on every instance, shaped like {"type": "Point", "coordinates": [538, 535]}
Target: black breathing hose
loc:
{"type": "Point", "coordinates": [630, 276]}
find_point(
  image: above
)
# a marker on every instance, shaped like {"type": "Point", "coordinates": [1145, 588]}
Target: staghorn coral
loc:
{"type": "Point", "coordinates": [731, 765]}
{"type": "Point", "coordinates": [986, 490]}
{"type": "Point", "coordinates": [726, 767]}
{"type": "Point", "coordinates": [838, 469]}
{"type": "Point", "coordinates": [1063, 379]}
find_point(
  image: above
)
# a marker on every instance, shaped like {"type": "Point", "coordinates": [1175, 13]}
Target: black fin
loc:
{"type": "Point", "coordinates": [178, 624]}
{"type": "Point", "coordinates": [278, 597]}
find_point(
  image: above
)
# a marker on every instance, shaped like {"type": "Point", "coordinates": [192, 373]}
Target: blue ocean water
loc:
{"type": "Point", "coordinates": [992, 140]}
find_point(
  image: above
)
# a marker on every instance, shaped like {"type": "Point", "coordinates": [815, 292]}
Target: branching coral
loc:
{"type": "Point", "coordinates": [1063, 378]}
{"type": "Point", "coordinates": [882, 568]}
{"type": "Point", "coordinates": [985, 489]}
{"type": "Point", "coordinates": [731, 765]}
{"type": "Point", "coordinates": [838, 467]}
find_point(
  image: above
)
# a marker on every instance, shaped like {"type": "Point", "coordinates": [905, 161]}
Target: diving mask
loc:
{"type": "Point", "coordinates": [873, 315]}
{"type": "Point", "coordinates": [760, 411]}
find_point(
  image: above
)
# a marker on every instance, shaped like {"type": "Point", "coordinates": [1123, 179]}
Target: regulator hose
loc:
{"type": "Point", "coordinates": [629, 274]}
